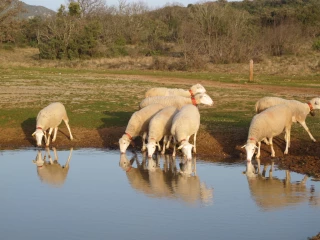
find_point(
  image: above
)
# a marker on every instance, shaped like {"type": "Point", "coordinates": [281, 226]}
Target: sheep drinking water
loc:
{"type": "Point", "coordinates": [50, 118]}
{"type": "Point", "coordinates": [268, 124]}
{"type": "Point", "coordinates": [184, 124]}
{"type": "Point", "coordinates": [160, 127]}
{"type": "Point", "coordinates": [162, 91]}
{"type": "Point", "coordinates": [138, 126]}
{"type": "Point", "coordinates": [300, 110]}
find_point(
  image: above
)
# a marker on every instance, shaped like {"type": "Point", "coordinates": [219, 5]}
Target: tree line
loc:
{"type": "Point", "coordinates": [206, 32]}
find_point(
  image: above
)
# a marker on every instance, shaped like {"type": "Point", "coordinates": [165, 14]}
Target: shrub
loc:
{"type": "Point", "coordinates": [316, 45]}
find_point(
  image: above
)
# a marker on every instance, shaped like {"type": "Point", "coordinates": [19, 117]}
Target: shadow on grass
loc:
{"type": "Point", "coordinates": [28, 127]}
{"type": "Point", "coordinates": [113, 127]}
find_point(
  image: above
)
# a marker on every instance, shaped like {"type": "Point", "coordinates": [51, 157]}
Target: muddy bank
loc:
{"type": "Point", "coordinates": [304, 156]}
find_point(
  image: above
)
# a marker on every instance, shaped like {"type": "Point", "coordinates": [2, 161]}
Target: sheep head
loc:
{"type": "Point", "coordinates": [314, 104]}
{"type": "Point", "coordinates": [250, 150]}
{"type": "Point", "coordinates": [151, 147]}
{"type": "Point", "coordinates": [204, 99]}
{"type": "Point", "coordinates": [124, 143]}
{"type": "Point", "coordinates": [186, 149]}
{"type": "Point", "coordinates": [39, 134]}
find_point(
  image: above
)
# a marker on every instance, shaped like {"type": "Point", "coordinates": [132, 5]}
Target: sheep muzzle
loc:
{"type": "Point", "coordinates": [312, 113]}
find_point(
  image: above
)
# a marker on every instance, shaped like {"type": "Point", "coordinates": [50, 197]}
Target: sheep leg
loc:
{"type": "Point", "coordinates": [67, 124]}
{"type": "Point", "coordinates": [165, 140]}
{"type": "Point", "coordinates": [174, 147]}
{"type": "Point", "coordinates": [144, 137]}
{"type": "Point", "coordinates": [194, 142]}
{"type": "Point", "coordinates": [287, 137]}
{"type": "Point", "coordinates": [55, 134]}
{"type": "Point", "coordinates": [49, 136]}
{"type": "Point", "coordinates": [169, 140]}
{"type": "Point", "coordinates": [273, 154]}
{"type": "Point", "coordinates": [258, 154]}
{"type": "Point", "coordinates": [265, 140]}
{"type": "Point", "coordinates": [304, 125]}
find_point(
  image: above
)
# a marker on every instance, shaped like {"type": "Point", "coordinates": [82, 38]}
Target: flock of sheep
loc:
{"type": "Point", "coordinates": [167, 114]}
{"type": "Point", "coordinates": [171, 114]}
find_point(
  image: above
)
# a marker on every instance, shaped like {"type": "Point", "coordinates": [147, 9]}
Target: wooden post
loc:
{"type": "Point", "coordinates": [251, 71]}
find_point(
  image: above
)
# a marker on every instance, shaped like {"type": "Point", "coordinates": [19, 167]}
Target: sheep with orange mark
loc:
{"type": "Point", "coordinates": [50, 118]}
{"type": "Point", "coordinates": [300, 110]}
{"type": "Point", "coordinates": [178, 101]}
{"type": "Point", "coordinates": [268, 124]}
{"type": "Point", "coordinates": [138, 126]}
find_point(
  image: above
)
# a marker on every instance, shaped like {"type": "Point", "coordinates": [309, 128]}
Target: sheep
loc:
{"type": "Point", "coordinates": [160, 127]}
{"type": "Point", "coordinates": [50, 118]}
{"type": "Point", "coordinates": [52, 172]}
{"type": "Point", "coordinates": [138, 126]}
{"type": "Point", "coordinates": [300, 110]}
{"type": "Point", "coordinates": [269, 124]}
{"type": "Point", "coordinates": [178, 101]}
{"type": "Point", "coordinates": [184, 124]}
{"type": "Point", "coordinates": [162, 91]}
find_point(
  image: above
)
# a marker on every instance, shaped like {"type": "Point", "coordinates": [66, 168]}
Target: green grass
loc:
{"type": "Point", "coordinates": [95, 99]}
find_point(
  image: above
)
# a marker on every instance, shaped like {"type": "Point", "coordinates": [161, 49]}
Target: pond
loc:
{"type": "Point", "coordinates": [105, 195]}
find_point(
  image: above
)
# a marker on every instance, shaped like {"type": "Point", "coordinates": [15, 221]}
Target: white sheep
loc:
{"type": "Point", "coordinates": [178, 101]}
{"type": "Point", "coordinates": [162, 91]}
{"type": "Point", "coordinates": [185, 124]}
{"type": "Point", "coordinates": [268, 124]}
{"type": "Point", "coordinates": [300, 110]}
{"type": "Point", "coordinates": [50, 118]}
{"type": "Point", "coordinates": [138, 126]}
{"type": "Point", "coordinates": [160, 127]}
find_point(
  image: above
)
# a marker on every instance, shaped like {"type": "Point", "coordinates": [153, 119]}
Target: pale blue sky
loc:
{"type": "Point", "coordinates": [54, 5]}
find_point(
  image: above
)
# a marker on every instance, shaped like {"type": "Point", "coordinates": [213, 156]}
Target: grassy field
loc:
{"type": "Point", "coordinates": [107, 98]}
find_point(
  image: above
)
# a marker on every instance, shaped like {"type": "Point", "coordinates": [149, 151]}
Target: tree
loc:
{"type": "Point", "coordinates": [89, 7]}
{"type": "Point", "coordinates": [9, 24]}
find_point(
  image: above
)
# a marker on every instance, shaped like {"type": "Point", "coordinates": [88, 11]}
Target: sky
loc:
{"type": "Point", "coordinates": [55, 4]}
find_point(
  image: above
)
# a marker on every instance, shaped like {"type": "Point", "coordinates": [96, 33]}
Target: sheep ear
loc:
{"type": "Point", "coordinates": [180, 146]}
{"type": "Point", "coordinates": [33, 134]}
{"type": "Point", "coordinates": [244, 146]}
{"type": "Point", "coordinates": [34, 161]}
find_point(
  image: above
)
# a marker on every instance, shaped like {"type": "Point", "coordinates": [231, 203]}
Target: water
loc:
{"type": "Point", "coordinates": [102, 196]}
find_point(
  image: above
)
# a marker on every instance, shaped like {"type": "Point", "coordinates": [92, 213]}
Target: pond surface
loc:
{"type": "Point", "coordinates": [106, 195]}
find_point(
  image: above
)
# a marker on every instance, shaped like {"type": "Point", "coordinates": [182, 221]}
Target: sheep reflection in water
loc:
{"type": "Point", "coordinates": [272, 193]}
{"type": "Point", "coordinates": [166, 181]}
{"type": "Point", "coordinates": [50, 171]}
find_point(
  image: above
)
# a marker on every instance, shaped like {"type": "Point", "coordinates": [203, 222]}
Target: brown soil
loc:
{"type": "Point", "coordinates": [222, 145]}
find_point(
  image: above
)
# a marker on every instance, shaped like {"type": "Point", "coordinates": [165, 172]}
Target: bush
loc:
{"type": "Point", "coordinates": [316, 45]}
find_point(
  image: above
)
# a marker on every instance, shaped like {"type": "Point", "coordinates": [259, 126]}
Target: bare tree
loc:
{"type": "Point", "coordinates": [90, 6]}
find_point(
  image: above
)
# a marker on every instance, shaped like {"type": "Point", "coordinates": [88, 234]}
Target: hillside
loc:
{"type": "Point", "coordinates": [33, 11]}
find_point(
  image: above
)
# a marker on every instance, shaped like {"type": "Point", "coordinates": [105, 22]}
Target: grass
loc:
{"type": "Point", "coordinates": [97, 98]}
